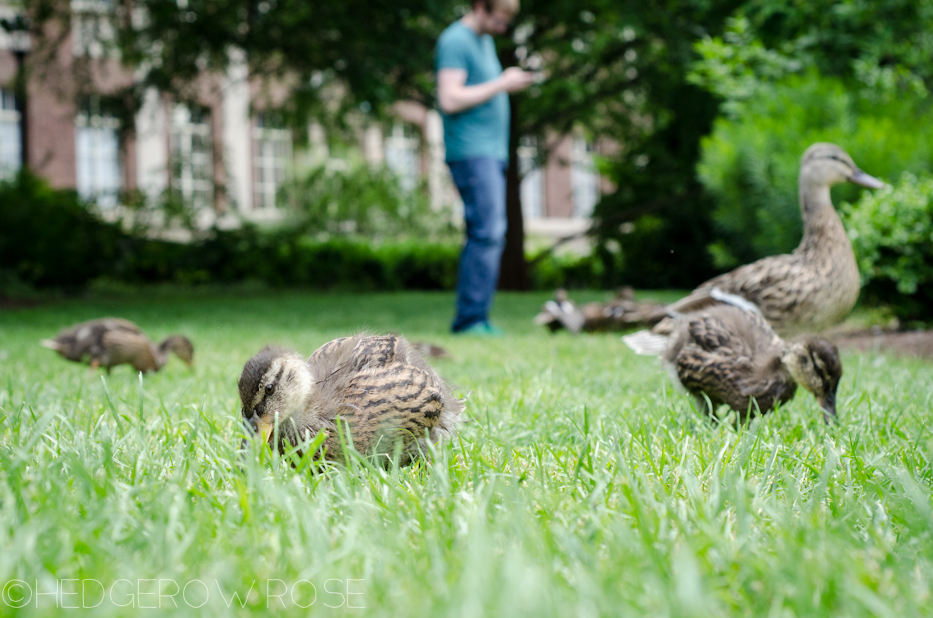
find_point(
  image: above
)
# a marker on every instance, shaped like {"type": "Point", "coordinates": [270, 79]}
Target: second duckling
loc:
{"type": "Point", "coordinates": [381, 386]}
{"type": "Point", "coordinates": [108, 342]}
{"type": "Point", "coordinates": [733, 356]}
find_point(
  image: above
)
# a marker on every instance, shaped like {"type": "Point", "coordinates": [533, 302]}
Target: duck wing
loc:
{"type": "Point", "coordinates": [777, 286]}
{"type": "Point", "coordinates": [122, 346]}
{"type": "Point", "coordinates": [733, 356]}
{"type": "Point", "coordinates": [713, 357]}
{"type": "Point", "coordinates": [84, 340]}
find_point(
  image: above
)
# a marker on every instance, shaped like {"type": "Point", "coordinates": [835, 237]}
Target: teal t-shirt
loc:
{"type": "Point", "coordinates": [481, 131]}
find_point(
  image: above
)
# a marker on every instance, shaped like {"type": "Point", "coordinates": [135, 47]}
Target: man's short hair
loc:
{"type": "Point", "coordinates": [507, 6]}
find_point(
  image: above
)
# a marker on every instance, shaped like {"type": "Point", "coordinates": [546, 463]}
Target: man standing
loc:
{"type": "Point", "coordinates": [472, 92]}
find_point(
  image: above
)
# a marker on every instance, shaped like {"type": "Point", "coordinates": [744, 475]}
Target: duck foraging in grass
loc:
{"type": "Point", "coordinates": [390, 400]}
{"type": "Point", "coordinates": [733, 356]}
{"type": "Point", "coordinates": [108, 342]}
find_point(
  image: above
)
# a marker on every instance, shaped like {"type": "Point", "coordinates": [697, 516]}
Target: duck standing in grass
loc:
{"type": "Point", "coordinates": [389, 398]}
{"type": "Point", "coordinates": [107, 342]}
{"type": "Point", "coordinates": [733, 356]}
{"type": "Point", "coordinates": [817, 285]}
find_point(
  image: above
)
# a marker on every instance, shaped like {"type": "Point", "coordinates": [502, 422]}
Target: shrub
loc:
{"type": "Point", "coordinates": [48, 238]}
{"type": "Point", "coordinates": [892, 235]}
{"type": "Point", "coordinates": [361, 202]}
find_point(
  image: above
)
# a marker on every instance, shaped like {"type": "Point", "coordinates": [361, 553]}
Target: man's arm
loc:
{"type": "Point", "coordinates": [453, 95]}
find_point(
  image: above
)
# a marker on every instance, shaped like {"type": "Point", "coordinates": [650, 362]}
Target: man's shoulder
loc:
{"type": "Point", "coordinates": [455, 34]}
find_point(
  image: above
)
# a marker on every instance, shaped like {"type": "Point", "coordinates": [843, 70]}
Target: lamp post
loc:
{"type": "Point", "coordinates": [18, 31]}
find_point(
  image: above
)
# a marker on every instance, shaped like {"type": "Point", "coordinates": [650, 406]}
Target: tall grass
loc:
{"type": "Point", "coordinates": [583, 485]}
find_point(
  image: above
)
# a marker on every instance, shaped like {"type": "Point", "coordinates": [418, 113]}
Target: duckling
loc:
{"type": "Point", "coordinates": [619, 313]}
{"type": "Point", "coordinates": [379, 385]}
{"type": "Point", "coordinates": [108, 342]}
{"type": "Point", "coordinates": [815, 286]}
{"type": "Point", "coordinates": [560, 313]}
{"type": "Point", "coordinates": [733, 356]}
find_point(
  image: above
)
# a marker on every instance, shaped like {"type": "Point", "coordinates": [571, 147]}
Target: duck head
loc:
{"type": "Point", "coordinates": [274, 386]}
{"type": "Point", "coordinates": [181, 346]}
{"type": "Point", "coordinates": [814, 363]}
{"type": "Point", "coordinates": [828, 164]}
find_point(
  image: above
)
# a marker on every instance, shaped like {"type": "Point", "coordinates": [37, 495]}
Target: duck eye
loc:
{"type": "Point", "coordinates": [270, 388]}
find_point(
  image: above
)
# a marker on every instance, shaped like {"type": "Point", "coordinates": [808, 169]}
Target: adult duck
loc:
{"type": "Point", "coordinates": [815, 286]}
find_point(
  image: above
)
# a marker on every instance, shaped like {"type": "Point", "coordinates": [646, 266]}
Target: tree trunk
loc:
{"type": "Point", "coordinates": [514, 270]}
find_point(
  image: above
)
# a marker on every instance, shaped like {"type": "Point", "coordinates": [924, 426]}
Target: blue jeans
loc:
{"type": "Point", "coordinates": [481, 183]}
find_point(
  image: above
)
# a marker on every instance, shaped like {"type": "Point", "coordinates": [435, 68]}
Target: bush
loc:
{"type": "Point", "coordinates": [288, 258]}
{"type": "Point", "coordinates": [892, 235]}
{"type": "Point", "coordinates": [48, 238]}
{"type": "Point", "coordinates": [361, 203]}
{"type": "Point", "coordinates": [751, 161]}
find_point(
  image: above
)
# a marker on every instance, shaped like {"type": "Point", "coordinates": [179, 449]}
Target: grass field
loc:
{"type": "Point", "coordinates": [583, 485]}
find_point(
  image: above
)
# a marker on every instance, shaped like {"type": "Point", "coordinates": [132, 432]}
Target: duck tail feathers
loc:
{"type": "Point", "coordinates": [646, 343]}
{"type": "Point", "coordinates": [51, 344]}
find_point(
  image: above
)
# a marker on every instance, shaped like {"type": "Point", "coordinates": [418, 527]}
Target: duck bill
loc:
{"type": "Point", "coordinates": [863, 179]}
{"type": "Point", "coordinates": [260, 427]}
{"type": "Point", "coordinates": [828, 403]}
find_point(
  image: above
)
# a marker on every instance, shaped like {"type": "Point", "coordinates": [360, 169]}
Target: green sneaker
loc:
{"type": "Point", "coordinates": [482, 329]}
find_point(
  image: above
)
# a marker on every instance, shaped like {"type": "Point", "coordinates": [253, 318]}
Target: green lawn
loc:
{"type": "Point", "coordinates": [583, 485]}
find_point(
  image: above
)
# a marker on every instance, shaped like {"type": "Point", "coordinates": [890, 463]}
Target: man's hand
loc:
{"type": "Point", "coordinates": [453, 95]}
{"type": "Point", "coordinates": [514, 79]}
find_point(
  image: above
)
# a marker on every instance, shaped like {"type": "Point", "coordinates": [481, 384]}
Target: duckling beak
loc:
{"type": "Point", "coordinates": [863, 179]}
{"type": "Point", "coordinates": [257, 425]}
{"type": "Point", "coordinates": [828, 403]}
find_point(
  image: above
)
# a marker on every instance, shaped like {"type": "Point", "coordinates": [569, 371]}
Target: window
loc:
{"type": "Point", "coordinates": [272, 150]}
{"type": "Point", "coordinates": [97, 154]}
{"type": "Point", "coordinates": [532, 187]}
{"type": "Point", "coordinates": [403, 154]}
{"type": "Point", "coordinates": [585, 178]}
{"type": "Point", "coordinates": [192, 156]}
{"type": "Point", "coordinates": [11, 148]}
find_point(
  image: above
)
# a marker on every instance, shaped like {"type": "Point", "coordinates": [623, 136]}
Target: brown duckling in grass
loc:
{"type": "Point", "coordinates": [390, 400]}
{"type": "Point", "coordinates": [108, 342]}
{"type": "Point", "coordinates": [733, 356]}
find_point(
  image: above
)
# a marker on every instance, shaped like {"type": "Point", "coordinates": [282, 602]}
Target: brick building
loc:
{"type": "Point", "coordinates": [221, 154]}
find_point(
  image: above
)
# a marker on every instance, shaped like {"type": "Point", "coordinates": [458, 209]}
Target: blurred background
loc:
{"type": "Point", "coordinates": [289, 143]}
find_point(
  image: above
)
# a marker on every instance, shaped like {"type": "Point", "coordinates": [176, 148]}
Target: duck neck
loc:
{"type": "Point", "coordinates": [822, 229]}
{"type": "Point", "coordinates": [161, 353]}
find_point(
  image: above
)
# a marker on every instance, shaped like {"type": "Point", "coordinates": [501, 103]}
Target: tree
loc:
{"type": "Point", "coordinates": [608, 67]}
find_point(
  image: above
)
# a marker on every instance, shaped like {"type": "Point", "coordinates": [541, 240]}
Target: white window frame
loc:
{"type": "Point", "coordinates": [11, 157]}
{"type": "Point", "coordinates": [98, 126]}
{"type": "Point", "coordinates": [198, 192]}
{"type": "Point", "coordinates": [532, 190]}
{"type": "Point", "coordinates": [402, 153]}
{"type": "Point", "coordinates": [584, 178]}
{"type": "Point", "coordinates": [269, 168]}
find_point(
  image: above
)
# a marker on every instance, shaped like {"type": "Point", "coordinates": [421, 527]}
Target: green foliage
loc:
{"type": "Point", "coordinates": [362, 202]}
{"type": "Point", "coordinates": [289, 258]}
{"type": "Point", "coordinates": [48, 237]}
{"type": "Point", "coordinates": [879, 43]}
{"type": "Point", "coordinates": [568, 271]}
{"type": "Point", "coordinates": [659, 215]}
{"type": "Point", "coordinates": [736, 66]}
{"type": "Point", "coordinates": [750, 162]}
{"type": "Point", "coordinates": [892, 235]}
